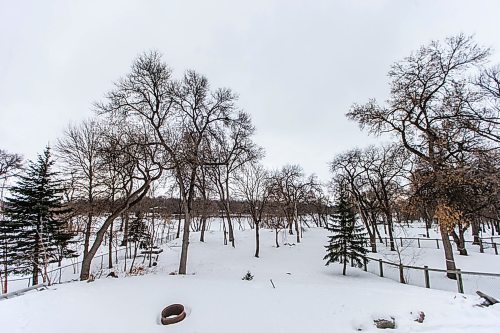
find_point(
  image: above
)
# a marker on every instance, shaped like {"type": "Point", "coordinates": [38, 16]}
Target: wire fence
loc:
{"type": "Point", "coordinates": [71, 272]}
{"type": "Point", "coordinates": [486, 245]}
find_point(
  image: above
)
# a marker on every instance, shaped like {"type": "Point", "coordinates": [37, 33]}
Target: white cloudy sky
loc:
{"type": "Point", "coordinates": [297, 65]}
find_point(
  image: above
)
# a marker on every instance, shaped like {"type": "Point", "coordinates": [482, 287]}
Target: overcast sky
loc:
{"type": "Point", "coordinates": [296, 65]}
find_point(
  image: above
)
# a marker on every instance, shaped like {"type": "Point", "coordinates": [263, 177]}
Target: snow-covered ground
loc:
{"type": "Point", "coordinates": [308, 297]}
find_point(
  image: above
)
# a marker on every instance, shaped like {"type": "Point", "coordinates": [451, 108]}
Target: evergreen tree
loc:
{"type": "Point", "coordinates": [7, 251]}
{"type": "Point", "coordinates": [346, 243]}
{"type": "Point", "coordinates": [35, 218]}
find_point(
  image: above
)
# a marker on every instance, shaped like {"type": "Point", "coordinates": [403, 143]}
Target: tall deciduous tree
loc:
{"type": "Point", "coordinates": [140, 161]}
{"type": "Point", "coordinates": [79, 151]}
{"type": "Point", "coordinates": [434, 109]}
{"type": "Point", "coordinates": [183, 117]}
{"type": "Point", "coordinates": [252, 184]}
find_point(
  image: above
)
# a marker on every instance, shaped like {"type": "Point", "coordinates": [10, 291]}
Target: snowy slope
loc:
{"type": "Point", "coordinates": [309, 297]}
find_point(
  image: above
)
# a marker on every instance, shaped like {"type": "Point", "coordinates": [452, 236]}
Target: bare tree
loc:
{"type": "Point", "coordinates": [252, 183]}
{"type": "Point", "coordinates": [234, 147]}
{"type": "Point", "coordinates": [78, 150]}
{"type": "Point", "coordinates": [431, 99]}
{"type": "Point", "coordinates": [350, 175]}
{"type": "Point", "coordinates": [384, 168]}
{"type": "Point", "coordinates": [183, 116]}
{"type": "Point", "coordinates": [290, 187]}
{"type": "Point", "coordinates": [134, 144]}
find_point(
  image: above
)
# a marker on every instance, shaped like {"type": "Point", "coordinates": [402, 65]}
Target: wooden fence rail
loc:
{"type": "Point", "coordinates": [458, 272]}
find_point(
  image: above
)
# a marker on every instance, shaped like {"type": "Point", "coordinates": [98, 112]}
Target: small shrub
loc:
{"type": "Point", "coordinates": [248, 276]}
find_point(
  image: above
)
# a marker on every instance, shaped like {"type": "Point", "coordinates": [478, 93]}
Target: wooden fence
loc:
{"type": "Point", "coordinates": [490, 242]}
{"type": "Point", "coordinates": [425, 272]}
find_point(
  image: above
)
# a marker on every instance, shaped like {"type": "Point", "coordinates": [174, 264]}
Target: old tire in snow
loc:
{"type": "Point", "coordinates": [173, 314]}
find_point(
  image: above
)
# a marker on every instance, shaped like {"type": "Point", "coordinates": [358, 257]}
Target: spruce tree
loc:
{"type": "Point", "coordinates": [34, 213]}
{"type": "Point", "coordinates": [7, 251]}
{"type": "Point", "coordinates": [347, 242]}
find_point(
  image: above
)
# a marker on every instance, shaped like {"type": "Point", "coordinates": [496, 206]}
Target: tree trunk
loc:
{"type": "Point", "coordinates": [133, 259]}
{"type": "Point", "coordinates": [36, 253]}
{"type": "Point", "coordinates": [475, 232]}
{"type": "Point", "coordinates": [6, 270]}
{"type": "Point", "coordinates": [448, 253]}
{"type": "Point", "coordinates": [110, 249]}
{"type": "Point", "coordinates": [388, 217]}
{"type": "Point", "coordinates": [296, 219]}
{"type": "Point", "coordinates": [228, 212]}
{"type": "Point", "coordinates": [178, 226]}
{"type": "Point", "coordinates": [230, 228]}
{"type": "Point", "coordinates": [345, 264]}
{"type": "Point", "coordinates": [460, 242]}
{"type": "Point", "coordinates": [203, 226]}
{"type": "Point", "coordinates": [88, 229]}
{"type": "Point", "coordinates": [365, 222]}
{"type": "Point", "coordinates": [257, 241]}
{"type": "Point", "coordinates": [373, 243]}
{"type": "Point", "coordinates": [130, 202]}
{"type": "Point", "coordinates": [185, 241]}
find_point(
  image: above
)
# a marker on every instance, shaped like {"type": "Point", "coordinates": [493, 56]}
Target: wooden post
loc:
{"type": "Point", "coordinates": [381, 268]}
{"type": "Point", "coordinates": [385, 241]}
{"type": "Point", "coordinates": [437, 243]}
{"type": "Point", "coordinates": [426, 275]}
{"type": "Point", "coordinates": [495, 248]}
{"type": "Point", "coordinates": [401, 240]}
{"type": "Point", "coordinates": [481, 248]}
{"type": "Point", "coordinates": [365, 264]}
{"type": "Point", "coordinates": [401, 274]}
{"type": "Point", "coordinates": [352, 261]}
{"type": "Point", "coordinates": [418, 240]}
{"type": "Point", "coordinates": [60, 268]}
{"type": "Point", "coordinates": [460, 283]}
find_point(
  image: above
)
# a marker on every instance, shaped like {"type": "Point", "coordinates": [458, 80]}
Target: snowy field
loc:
{"type": "Point", "coordinates": [308, 297]}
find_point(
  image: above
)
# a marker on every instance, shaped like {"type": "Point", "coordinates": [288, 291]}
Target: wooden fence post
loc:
{"type": "Point", "coordinates": [381, 268]}
{"type": "Point", "coordinates": [401, 274]}
{"type": "Point", "coordinates": [385, 241]}
{"type": "Point", "coordinates": [426, 275]}
{"type": "Point", "coordinates": [481, 247]}
{"type": "Point", "coordinates": [437, 243]}
{"type": "Point", "coordinates": [495, 247]}
{"type": "Point", "coordinates": [418, 240]}
{"type": "Point", "coordinates": [401, 240]}
{"type": "Point", "coordinates": [365, 264]}
{"type": "Point", "coordinates": [460, 283]}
